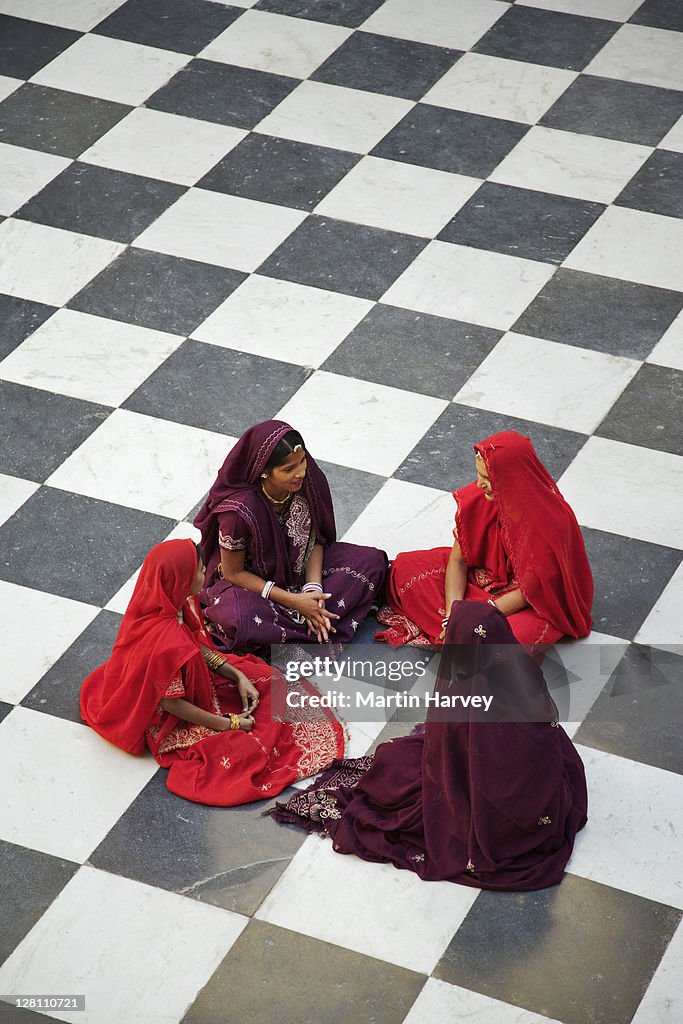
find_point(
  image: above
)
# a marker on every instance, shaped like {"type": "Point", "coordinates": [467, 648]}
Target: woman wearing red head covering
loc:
{"type": "Point", "coordinates": [517, 545]}
{"type": "Point", "coordinates": [275, 571]}
{"type": "Point", "coordinates": [205, 717]}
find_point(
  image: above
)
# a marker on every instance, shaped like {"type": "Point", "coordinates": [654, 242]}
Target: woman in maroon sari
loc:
{"type": "Point", "coordinates": [492, 803]}
{"type": "Point", "coordinates": [205, 717]}
{"type": "Point", "coordinates": [275, 572]}
{"type": "Point", "coordinates": [517, 545]}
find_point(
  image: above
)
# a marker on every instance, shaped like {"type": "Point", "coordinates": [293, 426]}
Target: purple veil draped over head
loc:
{"type": "Point", "coordinates": [237, 488]}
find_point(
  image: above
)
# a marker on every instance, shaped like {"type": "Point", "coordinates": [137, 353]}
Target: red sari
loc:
{"type": "Point", "coordinates": [157, 655]}
{"type": "Point", "coordinates": [526, 539]}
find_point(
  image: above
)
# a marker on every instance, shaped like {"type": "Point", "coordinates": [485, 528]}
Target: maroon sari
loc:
{"type": "Point", "coordinates": [238, 517]}
{"type": "Point", "coordinates": [466, 798]}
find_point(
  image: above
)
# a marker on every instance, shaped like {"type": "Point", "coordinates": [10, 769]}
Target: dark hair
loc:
{"type": "Point", "coordinates": [284, 448]}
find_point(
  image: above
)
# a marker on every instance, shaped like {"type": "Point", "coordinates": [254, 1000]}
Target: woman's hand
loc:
{"type": "Point", "coordinates": [318, 618]}
{"type": "Point", "coordinates": [246, 722]}
{"type": "Point", "coordinates": [247, 691]}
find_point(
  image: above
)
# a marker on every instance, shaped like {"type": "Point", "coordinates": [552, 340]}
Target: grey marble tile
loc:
{"type": "Point", "coordinates": [336, 12]}
{"type": "Point", "coordinates": [340, 986]}
{"type": "Point", "coordinates": [351, 490]}
{"type": "Point", "coordinates": [657, 187]}
{"type": "Point", "coordinates": [183, 25]}
{"type": "Point", "coordinates": [666, 14]}
{"type": "Point", "coordinates": [546, 37]}
{"type": "Point", "coordinates": [18, 319]}
{"type": "Point", "coordinates": [5, 709]}
{"type": "Point", "coordinates": [648, 411]}
{"type": "Point", "coordinates": [579, 952]}
{"type": "Point", "coordinates": [27, 46]}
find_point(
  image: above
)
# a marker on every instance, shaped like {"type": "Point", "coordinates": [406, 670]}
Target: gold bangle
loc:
{"type": "Point", "coordinates": [215, 660]}
{"type": "Point", "coordinates": [234, 722]}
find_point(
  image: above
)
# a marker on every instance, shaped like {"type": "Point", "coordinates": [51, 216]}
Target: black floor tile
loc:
{"type": "Point", "coordinates": [667, 14]}
{"type": "Point", "coordinates": [158, 291]}
{"type": "Point", "coordinates": [579, 952]}
{"type": "Point", "coordinates": [397, 67]}
{"type": "Point", "coordinates": [27, 46]}
{"type": "Point", "coordinates": [657, 187]}
{"type": "Point", "coordinates": [546, 37]}
{"type": "Point", "coordinates": [92, 559]}
{"type": "Point", "coordinates": [343, 257]}
{"type": "Point", "coordinates": [450, 140]}
{"type": "Point", "coordinates": [29, 449]}
{"type": "Point", "coordinates": [5, 709]}
{"type": "Point", "coordinates": [55, 121]}
{"type": "Point", "coordinates": [352, 490]}
{"type": "Point", "coordinates": [340, 986]}
{"type": "Point", "coordinates": [630, 576]}
{"type": "Point", "coordinates": [226, 857]}
{"type": "Point", "coordinates": [30, 882]}
{"type": "Point", "coordinates": [58, 692]}
{"type": "Point", "coordinates": [18, 319]}
{"type": "Point", "coordinates": [444, 458]}
{"type": "Point", "coordinates": [610, 109]}
{"type": "Point", "coordinates": [601, 313]}
{"type": "Point", "coordinates": [222, 93]}
{"type": "Point", "coordinates": [183, 25]}
{"type": "Point", "coordinates": [648, 411]}
{"type": "Point", "coordinates": [351, 13]}
{"type": "Point", "coordinates": [279, 171]}
{"type": "Point", "coordinates": [217, 388]}
{"type": "Point", "coordinates": [639, 713]}
{"type": "Point", "coordinates": [102, 202]}
{"type": "Point", "coordinates": [413, 351]}
{"type": "Point", "coordinates": [522, 222]}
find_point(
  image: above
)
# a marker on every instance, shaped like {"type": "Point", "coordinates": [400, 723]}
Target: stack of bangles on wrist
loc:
{"type": "Point", "coordinates": [215, 660]}
{"type": "Point", "coordinates": [312, 588]}
{"type": "Point", "coordinates": [444, 622]}
{"type": "Point", "coordinates": [267, 589]}
{"type": "Point", "coordinates": [234, 722]}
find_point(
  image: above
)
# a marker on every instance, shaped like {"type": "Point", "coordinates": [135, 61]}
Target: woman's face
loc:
{"type": "Point", "coordinates": [483, 478]}
{"type": "Point", "coordinates": [199, 578]}
{"type": "Point", "coordinates": [289, 475]}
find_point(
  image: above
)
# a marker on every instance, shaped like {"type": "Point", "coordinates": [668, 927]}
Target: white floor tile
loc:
{"type": "Point", "coordinates": [77, 14]}
{"type": "Point", "coordinates": [633, 491]}
{"type": "Point", "coordinates": [195, 228]}
{"type": "Point", "coordinates": [467, 284]}
{"type": "Point", "coordinates": [674, 138]}
{"type": "Point", "coordinates": [636, 246]}
{"type": "Point", "coordinates": [577, 672]}
{"type": "Point", "coordinates": [283, 320]}
{"type": "Point", "coordinates": [153, 465]}
{"type": "Point", "coordinates": [669, 349]}
{"type": "Point", "coordinates": [358, 422]}
{"type": "Point", "coordinates": [497, 87]}
{"type": "Point", "coordinates": [49, 264]}
{"type": "Point", "coordinates": [111, 69]}
{"type": "Point", "coordinates": [398, 196]}
{"type": "Point", "coordinates": [635, 817]}
{"type": "Point", "coordinates": [134, 970]}
{"type": "Point", "coordinates": [64, 787]}
{"type": "Point", "coordinates": [439, 1002]}
{"type": "Point", "coordinates": [638, 53]}
{"type": "Point", "coordinates": [560, 385]}
{"type": "Point", "coordinates": [460, 23]}
{"type": "Point", "coordinates": [664, 625]}
{"type": "Point", "coordinates": [329, 115]}
{"type": "Point", "coordinates": [23, 173]}
{"type": "Point", "coordinates": [13, 493]}
{"type": "Point", "coordinates": [663, 1001]}
{"type": "Point", "coordinates": [579, 166]}
{"type": "Point", "coordinates": [275, 43]}
{"type": "Point", "coordinates": [165, 146]}
{"type": "Point", "coordinates": [362, 906]}
{"type": "Point", "coordinates": [8, 86]}
{"type": "Point", "coordinates": [612, 10]}
{"type": "Point", "coordinates": [406, 517]}
{"type": "Point", "coordinates": [25, 659]}
{"type": "Point", "coordinates": [88, 357]}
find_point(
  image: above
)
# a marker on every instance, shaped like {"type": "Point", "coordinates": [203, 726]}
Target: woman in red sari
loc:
{"type": "Point", "coordinates": [204, 716]}
{"type": "Point", "coordinates": [517, 545]}
{"type": "Point", "coordinates": [491, 799]}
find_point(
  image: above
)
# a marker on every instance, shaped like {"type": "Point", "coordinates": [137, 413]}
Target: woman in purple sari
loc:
{"type": "Point", "coordinates": [275, 572]}
{"type": "Point", "coordinates": [491, 799]}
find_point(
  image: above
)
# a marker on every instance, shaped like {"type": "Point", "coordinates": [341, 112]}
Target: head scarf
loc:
{"type": "Point", "coordinates": [119, 698]}
{"type": "Point", "coordinates": [531, 526]}
{"type": "Point", "coordinates": [237, 488]}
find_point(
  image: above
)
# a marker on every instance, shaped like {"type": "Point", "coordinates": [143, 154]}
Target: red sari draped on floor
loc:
{"type": "Point", "coordinates": [526, 538]}
{"type": "Point", "coordinates": [157, 655]}
{"type": "Point", "coordinates": [494, 804]}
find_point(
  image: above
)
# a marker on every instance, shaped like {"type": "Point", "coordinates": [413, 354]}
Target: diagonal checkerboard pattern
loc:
{"type": "Point", "coordinates": [401, 226]}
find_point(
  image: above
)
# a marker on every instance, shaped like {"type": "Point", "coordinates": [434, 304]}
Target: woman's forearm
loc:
{"type": "Point", "coordinates": [456, 578]}
{"type": "Point", "coordinates": [510, 603]}
{"type": "Point", "coordinates": [314, 566]}
{"type": "Point", "coordinates": [182, 708]}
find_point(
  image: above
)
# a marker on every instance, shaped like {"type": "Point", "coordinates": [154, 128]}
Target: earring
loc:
{"type": "Point", "coordinates": [264, 476]}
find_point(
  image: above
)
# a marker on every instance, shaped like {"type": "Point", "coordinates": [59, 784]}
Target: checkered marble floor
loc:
{"type": "Point", "coordinates": [401, 226]}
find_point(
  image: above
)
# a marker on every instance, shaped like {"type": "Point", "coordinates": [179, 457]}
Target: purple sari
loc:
{"type": "Point", "coordinates": [238, 517]}
{"type": "Point", "coordinates": [494, 804]}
